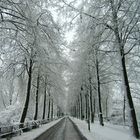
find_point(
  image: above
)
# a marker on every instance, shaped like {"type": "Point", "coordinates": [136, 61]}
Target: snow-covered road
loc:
{"type": "Point", "coordinates": [64, 130]}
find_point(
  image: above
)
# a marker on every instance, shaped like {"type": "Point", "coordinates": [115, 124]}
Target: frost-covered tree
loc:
{"type": "Point", "coordinates": [30, 50]}
{"type": "Point", "coordinates": [115, 24]}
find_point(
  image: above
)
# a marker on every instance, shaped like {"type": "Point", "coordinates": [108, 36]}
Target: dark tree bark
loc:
{"type": "Point", "coordinates": [49, 106]}
{"type": "Point", "coordinates": [124, 71]}
{"type": "Point", "coordinates": [124, 110]}
{"type": "Point", "coordinates": [58, 112]}
{"type": "Point", "coordinates": [94, 106]}
{"type": "Point", "coordinates": [52, 109]}
{"type": "Point", "coordinates": [79, 112]}
{"type": "Point", "coordinates": [37, 92]}
{"type": "Point", "coordinates": [88, 111]}
{"type": "Point", "coordinates": [44, 104]}
{"type": "Point", "coordinates": [81, 109]}
{"type": "Point", "coordinates": [86, 103]}
{"type": "Point", "coordinates": [99, 94]}
{"type": "Point", "coordinates": [130, 101]}
{"type": "Point", "coordinates": [25, 109]}
{"type": "Point", "coordinates": [74, 108]}
{"type": "Point", "coordinates": [91, 100]}
{"type": "Point", "coordinates": [10, 102]}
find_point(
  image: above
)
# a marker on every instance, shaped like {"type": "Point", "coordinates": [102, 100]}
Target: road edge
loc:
{"type": "Point", "coordinates": [52, 127]}
{"type": "Point", "coordinates": [78, 130]}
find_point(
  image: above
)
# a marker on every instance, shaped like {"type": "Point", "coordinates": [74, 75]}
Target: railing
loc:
{"type": "Point", "coordinates": [14, 130]}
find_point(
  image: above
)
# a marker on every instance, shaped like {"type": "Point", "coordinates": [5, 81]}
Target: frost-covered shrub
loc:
{"type": "Point", "coordinates": [10, 116]}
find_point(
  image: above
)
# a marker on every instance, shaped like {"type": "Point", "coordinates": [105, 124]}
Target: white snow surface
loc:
{"type": "Point", "coordinates": [35, 132]}
{"type": "Point", "coordinates": [107, 132]}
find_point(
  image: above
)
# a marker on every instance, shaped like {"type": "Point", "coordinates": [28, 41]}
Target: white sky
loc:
{"type": "Point", "coordinates": [69, 35]}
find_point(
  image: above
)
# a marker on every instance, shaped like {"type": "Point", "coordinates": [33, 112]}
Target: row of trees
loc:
{"type": "Point", "coordinates": [31, 62]}
{"type": "Point", "coordinates": [106, 52]}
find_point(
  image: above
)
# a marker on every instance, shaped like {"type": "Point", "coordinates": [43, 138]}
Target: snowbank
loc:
{"type": "Point", "coordinates": [35, 132]}
{"type": "Point", "coordinates": [107, 132]}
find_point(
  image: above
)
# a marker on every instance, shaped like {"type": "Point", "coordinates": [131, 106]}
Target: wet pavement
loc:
{"type": "Point", "coordinates": [64, 130]}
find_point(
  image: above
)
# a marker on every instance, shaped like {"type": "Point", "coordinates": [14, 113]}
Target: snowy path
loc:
{"type": "Point", "coordinates": [64, 130]}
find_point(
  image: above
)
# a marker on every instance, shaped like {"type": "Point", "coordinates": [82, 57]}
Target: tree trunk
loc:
{"type": "Point", "coordinates": [130, 101]}
{"type": "Point", "coordinates": [58, 112]}
{"type": "Point", "coordinates": [79, 112]}
{"type": "Point", "coordinates": [44, 105]}
{"type": "Point", "coordinates": [25, 109]}
{"type": "Point", "coordinates": [124, 110]}
{"type": "Point", "coordinates": [94, 105]}
{"type": "Point", "coordinates": [49, 105]}
{"type": "Point", "coordinates": [91, 101]}
{"type": "Point", "coordinates": [75, 111]}
{"type": "Point", "coordinates": [37, 91]}
{"type": "Point", "coordinates": [81, 106]}
{"type": "Point", "coordinates": [52, 109]}
{"type": "Point", "coordinates": [106, 107]}
{"type": "Point", "coordinates": [124, 72]}
{"type": "Point", "coordinates": [99, 94]}
{"type": "Point", "coordinates": [86, 113]}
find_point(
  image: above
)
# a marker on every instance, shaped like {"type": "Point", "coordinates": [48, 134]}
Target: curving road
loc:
{"type": "Point", "coordinates": [63, 130]}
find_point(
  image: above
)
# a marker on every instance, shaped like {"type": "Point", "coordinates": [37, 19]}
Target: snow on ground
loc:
{"type": "Point", "coordinates": [107, 132]}
{"type": "Point", "coordinates": [35, 132]}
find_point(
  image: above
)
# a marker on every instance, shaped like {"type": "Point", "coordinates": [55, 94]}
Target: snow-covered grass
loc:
{"type": "Point", "coordinates": [107, 132]}
{"type": "Point", "coordinates": [35, 132]}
